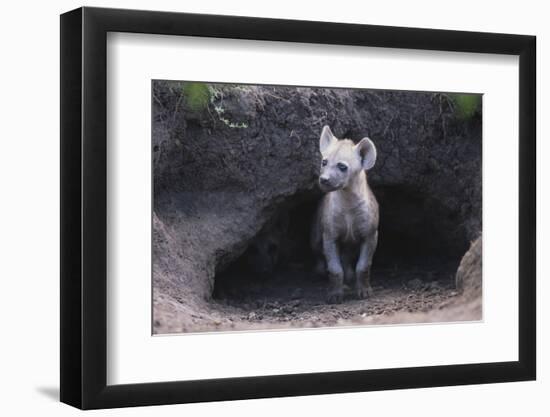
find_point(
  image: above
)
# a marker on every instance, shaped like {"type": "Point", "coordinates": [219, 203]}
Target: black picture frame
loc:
{"type": "Point", "coordinates": [84, 190]}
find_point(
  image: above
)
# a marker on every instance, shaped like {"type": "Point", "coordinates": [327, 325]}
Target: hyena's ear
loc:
{"type": "Point", "coordinates": [327, 139]}
{"type": "Point", "coordinates": [367, 152]}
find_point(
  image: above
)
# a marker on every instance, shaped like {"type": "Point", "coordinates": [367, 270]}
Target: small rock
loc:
{"type": "Point", "coordinates": [252, 316]}
{"type": "Point", "coordinates": [434, 285]}
{"type": "Point", "coordinates": [287, 309]}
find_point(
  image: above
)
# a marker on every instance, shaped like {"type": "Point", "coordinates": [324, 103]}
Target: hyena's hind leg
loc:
{"type": "Point", "coordinates": [349, 267]}
{"type": "Point", "coordinates": [319, 266]}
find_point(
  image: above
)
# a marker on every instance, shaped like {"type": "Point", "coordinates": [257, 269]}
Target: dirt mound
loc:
{"type": "Point", "coordinates": [223, 171]}
{"type": "Point", "coordinates": [465, 303]}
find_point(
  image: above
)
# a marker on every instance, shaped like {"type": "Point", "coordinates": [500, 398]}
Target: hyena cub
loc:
{"type": "Point", "coordinates": [345, 229]}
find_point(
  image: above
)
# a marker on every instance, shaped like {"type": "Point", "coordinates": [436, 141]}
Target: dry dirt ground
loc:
{"type": "Point", "coordinates": [296, 298]}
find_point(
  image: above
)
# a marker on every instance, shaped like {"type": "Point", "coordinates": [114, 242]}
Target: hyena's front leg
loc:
{"type": "Point", "coordinates": [362, 270]}
{"type": "Point", "coordinates": [335, 271]}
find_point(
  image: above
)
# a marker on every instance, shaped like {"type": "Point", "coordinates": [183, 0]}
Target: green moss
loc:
{"type": "Point", "coordinates": [466, 105]}
{"type": "Point", "coordinates": [196, 95]}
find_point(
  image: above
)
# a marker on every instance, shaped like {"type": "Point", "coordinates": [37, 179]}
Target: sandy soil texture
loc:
{"type": "Point", "coordinates": [296, 299]}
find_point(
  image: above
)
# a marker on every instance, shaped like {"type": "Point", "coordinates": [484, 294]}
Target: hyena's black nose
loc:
{"type": "Point", "coordinates": [324, 180]}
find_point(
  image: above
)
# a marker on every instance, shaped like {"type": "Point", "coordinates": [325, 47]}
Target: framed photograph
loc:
{"type": "Point", "coordinates": [257, 208]}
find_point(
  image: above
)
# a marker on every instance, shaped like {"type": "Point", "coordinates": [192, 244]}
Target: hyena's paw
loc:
{"type": "Point", "coordinates": [335, 296]}
{"type": "Point", "coordinates": [363, 291]}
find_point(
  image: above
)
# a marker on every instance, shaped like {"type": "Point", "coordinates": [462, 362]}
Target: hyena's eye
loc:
{"type": "Point", "coordinates": [342, 167]}
{"type": "Point", "coordinates": [324, 162]}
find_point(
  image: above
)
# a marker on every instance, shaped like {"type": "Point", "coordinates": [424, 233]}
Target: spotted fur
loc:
{"type": "Point", "coordinates": [345, 228]}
